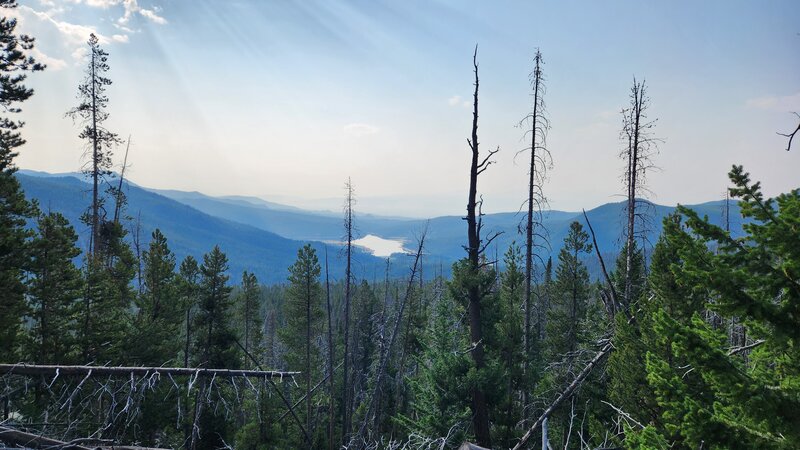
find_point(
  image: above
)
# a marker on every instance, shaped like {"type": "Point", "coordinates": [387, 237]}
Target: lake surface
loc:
{"type": "Point", "coordinates": [379, 246]}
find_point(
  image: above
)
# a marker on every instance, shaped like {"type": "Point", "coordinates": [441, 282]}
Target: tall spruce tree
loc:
{"type": "Point", "coordinates": [214, 341]}
{"type": "Point", "coordinates": [55, 286]}
{"type": "Point", "coordinates": [250, 319]}
{"type": "Point", "coordinates": [188, 289]}
{"type": "Point", "coordinates": [510, 351]}
{"type": "Point", "coordinates": [303, 330]}
{"type": "Point", "coordinates": [159, 315]}
{"type": "Point", "coordinates": [14, 209]}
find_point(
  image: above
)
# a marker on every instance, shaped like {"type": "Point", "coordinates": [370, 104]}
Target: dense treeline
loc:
{"type": "Point", "coordinates": [702, 328]}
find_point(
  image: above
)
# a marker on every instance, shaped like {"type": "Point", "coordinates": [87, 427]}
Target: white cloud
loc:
{"type": "Point", "coordinates": [120, 38]}
{"type": "Point", "coordinates": [132, 7]}
{"type": "Point", "coordinates": [74, 33]}
{"type": "Point", "coordinates": [786, 103]}
{"type": "Point", "coordinates": [51, 62]}
{"type": "Point", "coordinates": [151, 14]}
{"type": "Point", "coordinates": [359, 129]}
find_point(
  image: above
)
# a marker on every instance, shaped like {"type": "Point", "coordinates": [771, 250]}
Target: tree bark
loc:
{"type": "Point", "coordinates": [480, 412]}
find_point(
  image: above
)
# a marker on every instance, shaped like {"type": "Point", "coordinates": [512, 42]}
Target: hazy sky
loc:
{"type": "Point", "coordinates": [286, 99]}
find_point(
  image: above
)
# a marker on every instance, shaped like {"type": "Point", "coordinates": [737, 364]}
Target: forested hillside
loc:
{"type": "Point", "coordinates": [142, 319]}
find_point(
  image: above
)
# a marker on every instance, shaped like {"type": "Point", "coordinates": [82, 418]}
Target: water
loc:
{"type": "Point", "coordinates": [379, 246]}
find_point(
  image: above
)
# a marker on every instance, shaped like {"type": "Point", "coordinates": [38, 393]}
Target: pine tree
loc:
{"type": "Point", "coordinates": [214, 347]}
{"type": "Point", "coordinates": [214, 342]}
{"type": "Point", "coordinates": [510, 352]}
{"type": "Point", "coordinates": [55, 286]}
{"type": "Point", "coordinates": [304, 324]}
{"type": "Point", "coordinates": [108, 296]}
{"type": "Point", "coordinates": [159, 313]}
{"type": "Point", "coordinates": [91, 111]}
{"type": "Point", "coordinates": [569, 329]}
{"type": "Point", "coordinates": [249, 314]}
{"type": "Point", "coordinates": [713, 396]}
{"type": "Point", "coordinates": [14, 209]}
{"type": "Point", "coordinates": [440, 392]}
{"type": "Point", "coordinates": [188, 289]}
{"type": "Point", "coordinates": [571, 294]}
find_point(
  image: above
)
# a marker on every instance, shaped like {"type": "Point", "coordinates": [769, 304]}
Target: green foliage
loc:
{"type": "Point", "coordinates": [14, 209]}
{"type": "Point", "coordinates": [248, 312]}
{"type": "Point", "coordinates": [159, 313]}
{"type": "Point", "coordinates": [215, 341]}
{"type": "Point", "coordinates": [440, 392]}
{"type": "Point", "coordinates": [510, 352]}
{"type": "Point", "coordinates": [711, 396]}
{"type": "Point", "coordinates": [55, 287]}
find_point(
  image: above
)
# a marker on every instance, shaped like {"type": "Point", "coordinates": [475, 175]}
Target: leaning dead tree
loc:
{"type": "Point", "coordinates": [565, 394]}
{"type": "Point", "coordinates": [475, 252]}
{"type": "Point", "coordinates": [386, 356]}
{"type": "Point", "coordinates": [537, 126]}
{"type": "Point", "coordinates": [640, 146]}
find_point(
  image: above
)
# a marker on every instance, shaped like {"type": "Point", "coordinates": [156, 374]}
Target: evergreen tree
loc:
{"type": "Point", "coordinates": [510, 352]}
{"type": "Point", "coordinates": [716, 397]}
{"type": "Point", "coordinates": [440, 398]}
{"type": "Point", "coordinates": [188, 288]}
{"type": "Point", "coordinates": [214, 347]}
{"type": "Point", "coordinates": [628, 388]}
{"type": "Point", "coordinates": [249, 314]}
{"type": "Point", "coordinates": [55, 286]}
{"type": "Point", "coordinates": [14, 209]}
{"type": "Point", "coordinates": [570, 331]}
{"type": "Point", "coordinates": [214, 341]}
{"type": "Point", "coordinates": [108, 296]}
{"type": "Point", "coordinates": [571, 292]}
{"type": "Point", "coordinates": [304, 322]}
{"type": "Point", "coordinates": [159, 313]}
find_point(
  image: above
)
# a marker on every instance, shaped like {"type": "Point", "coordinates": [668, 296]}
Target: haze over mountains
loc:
{"type": "Point", "coordinates": [263, 237]}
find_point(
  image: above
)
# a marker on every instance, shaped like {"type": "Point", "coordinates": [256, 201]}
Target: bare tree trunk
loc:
{"type": "Point", "coordinates": [346, 397]}
{"type": "Point", "coordinates": [537, 81]}
{"type": "Point", "coordinates": [480, 411]}
{"type": "Point", "coordinates": [118, 203]}
{"type": "Point", "coordinates": [636, 130]}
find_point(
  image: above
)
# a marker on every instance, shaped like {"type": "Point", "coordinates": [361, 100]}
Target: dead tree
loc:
{"type": "Point", "coordinates": [640, 145]}
{"type": "Point", "coordinates": [385, 356]}
{"type": "Point", "coordinates": [539, 161]}
{"type": "Point", "coordinates": [349, 231]}
{"type": "Point", "coordinates": [566, 393]}
{"type": "Point", "coordinates": [475, 250]}
{"type": "Point", "coordinates": [791, 135]}
{"type": "Point", "coordinates": [119, 196]}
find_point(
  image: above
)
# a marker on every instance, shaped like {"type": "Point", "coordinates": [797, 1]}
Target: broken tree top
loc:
{"type": "Point", "coordinates": [32, 369]}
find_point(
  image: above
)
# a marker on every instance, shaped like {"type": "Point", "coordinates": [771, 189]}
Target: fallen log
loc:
{"type": "Point", "coordinates": [33, 369]}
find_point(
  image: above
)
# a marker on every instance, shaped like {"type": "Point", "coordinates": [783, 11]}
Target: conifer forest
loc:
{"type": "Point", "coordinates": [143, 318]}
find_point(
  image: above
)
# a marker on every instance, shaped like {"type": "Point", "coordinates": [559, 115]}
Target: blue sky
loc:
{"type": "Point", "coordinates": [286, 99]}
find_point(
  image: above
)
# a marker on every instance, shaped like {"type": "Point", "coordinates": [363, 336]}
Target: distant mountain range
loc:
{"type": "Point", "coordinates": [263, 237]}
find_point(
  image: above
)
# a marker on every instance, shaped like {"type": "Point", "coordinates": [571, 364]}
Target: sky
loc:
{"type": "Point", "coordinates": [284, 100]}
